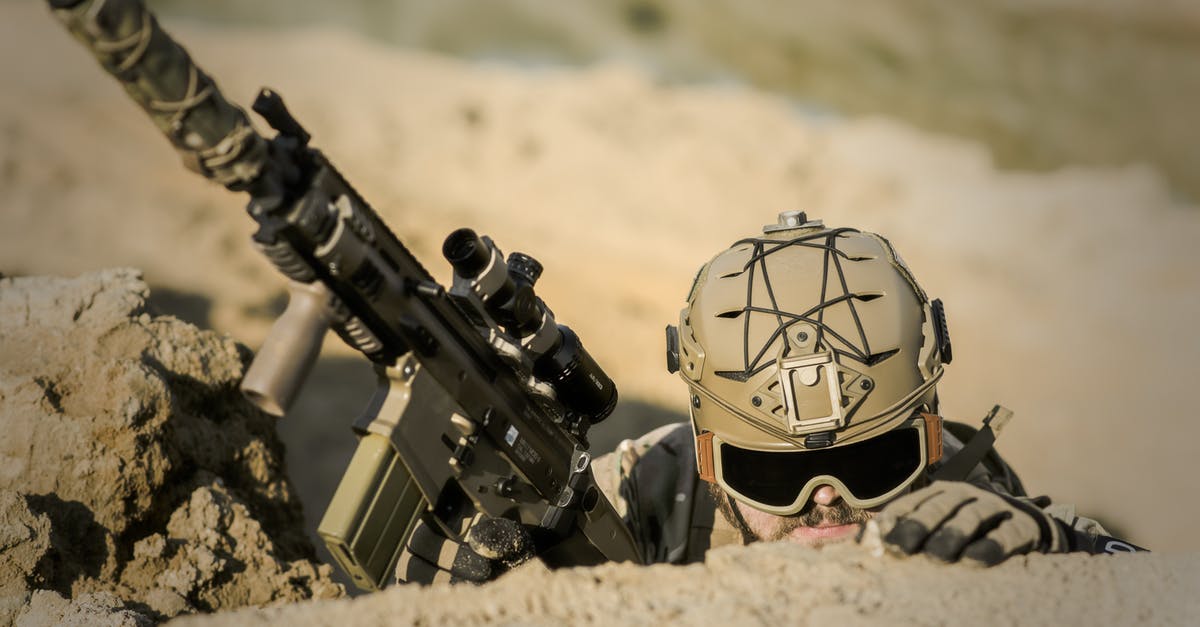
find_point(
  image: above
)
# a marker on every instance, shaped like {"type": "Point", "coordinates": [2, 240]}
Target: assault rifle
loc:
{"type": "Point", "coordinates": [484, 401]}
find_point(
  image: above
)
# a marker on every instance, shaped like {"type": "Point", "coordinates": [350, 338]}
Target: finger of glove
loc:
{"type": "Point", "coordinates": [445, 554]}
{"type": "Point", "coordinates": [912, 530]}
{"type": "Point", "coordinates": [895, 511]}
{"type": "Point", "coordinates": [412, 568]}
{"type": "Point", "coordinates": [501, 539]}
{"type": "Point", "coordinates": [906, 504]}
{"type": "Point", "coordinates": [431, 545]}
{"type": "Point", "coordinates": [1053, 534]}
{"type": "Point", "coordinates": [471, 566]}
{"type": "Point", "coordinates": [1015, 535]}
{"type": "Point", "coordinates": [465, 566]}
{"type": "Point", "coordinates": [968, 523]}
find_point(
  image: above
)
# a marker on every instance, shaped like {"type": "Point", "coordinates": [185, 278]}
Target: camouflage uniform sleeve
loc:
{"type": "Point", "coordinates": [650, 481]}
{"type": "Point", "coordinates": [1087, 535]}
{"type": "Point", "coordinates": [613, 470]}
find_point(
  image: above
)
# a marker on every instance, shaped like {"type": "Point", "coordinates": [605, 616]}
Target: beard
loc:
{"type": "Point", "coordinates": [813, 515]}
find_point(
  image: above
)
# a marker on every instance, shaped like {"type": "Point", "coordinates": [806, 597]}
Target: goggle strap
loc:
{"type": "Point", "coordinates": [704, 457]}
{"type": "Point", "coordinates": [933, 437]}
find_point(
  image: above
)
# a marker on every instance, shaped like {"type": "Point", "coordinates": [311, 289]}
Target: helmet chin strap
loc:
{"type": "Point", "coordinates": [733, 515]}
{"type": "Point", "coordinates": [963, 462]}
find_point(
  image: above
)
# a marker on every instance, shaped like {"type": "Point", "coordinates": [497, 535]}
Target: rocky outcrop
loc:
{"type": "Point", "coordinates": [135, 482]}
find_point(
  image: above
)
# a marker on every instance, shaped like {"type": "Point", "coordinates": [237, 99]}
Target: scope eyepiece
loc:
{"type": "Point", "coordinates": [466, 252]}
{"type": "Point", "coordinates": [582, 386]}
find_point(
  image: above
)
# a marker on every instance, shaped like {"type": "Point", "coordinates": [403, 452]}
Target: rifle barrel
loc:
{"type": "Point", "coordinates": [213, 137]}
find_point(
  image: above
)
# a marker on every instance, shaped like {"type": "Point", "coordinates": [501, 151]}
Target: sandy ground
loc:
{"type": "Point", "coordinates": [1071, 294]}
{"type": "Point", "coordinates": [787, 585]}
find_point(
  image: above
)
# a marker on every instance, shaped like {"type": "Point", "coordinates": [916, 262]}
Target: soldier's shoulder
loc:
{"type": "Point", "coordinates": [672, 439]}
{"type": "Point", "coordinates": [669, 449]}
{"type": "Point", "coordinates": [668, 445]}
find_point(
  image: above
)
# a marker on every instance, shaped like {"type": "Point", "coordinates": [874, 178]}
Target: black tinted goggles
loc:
{"type": "Point", "coordinates": [865, 474]}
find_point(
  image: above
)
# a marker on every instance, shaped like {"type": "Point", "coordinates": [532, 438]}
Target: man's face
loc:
{"type": "Point", "coordinates": [827, 518]}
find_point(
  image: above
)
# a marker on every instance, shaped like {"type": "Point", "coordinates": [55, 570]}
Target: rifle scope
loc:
{"type": "Point", "coordinates": [506, 290]}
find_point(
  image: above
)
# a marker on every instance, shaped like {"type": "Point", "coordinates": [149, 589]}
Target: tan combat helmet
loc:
{"type": "Point", "coordinates": [801, 347]}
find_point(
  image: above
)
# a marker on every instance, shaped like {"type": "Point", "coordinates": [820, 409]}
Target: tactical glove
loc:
{"type": "Point", "coordinates": [954, 521]}
{"type": "Point", "coordinates": [492, 547]}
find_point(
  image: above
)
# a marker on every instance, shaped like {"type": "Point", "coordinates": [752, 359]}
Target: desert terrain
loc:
{"type": "Point", "coordinates": [1070, 283]}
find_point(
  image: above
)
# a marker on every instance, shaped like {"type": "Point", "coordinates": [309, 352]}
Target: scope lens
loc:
{"type": "Point", "coordinates": [466, 252]}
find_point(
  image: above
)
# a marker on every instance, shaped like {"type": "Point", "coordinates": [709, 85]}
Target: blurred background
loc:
{"type": "Point", "coordinates": [1042, 82]}
{"type": "Point", "coordinates": [1034, 161]}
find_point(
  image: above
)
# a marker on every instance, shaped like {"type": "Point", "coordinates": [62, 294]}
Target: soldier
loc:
{"type": "Point", "coordinates": [811, 357]}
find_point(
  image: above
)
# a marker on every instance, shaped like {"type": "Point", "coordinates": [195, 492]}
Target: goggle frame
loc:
{"type": "Point", "coordinates": [929, 427]}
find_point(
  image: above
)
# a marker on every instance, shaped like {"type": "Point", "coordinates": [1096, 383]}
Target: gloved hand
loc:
{"type": "Point", "coordinates": [501, 540]}
{"type": "Point", "coordinates": [493, 546]}
{"type": "Point", "coordinates": [951, 520]}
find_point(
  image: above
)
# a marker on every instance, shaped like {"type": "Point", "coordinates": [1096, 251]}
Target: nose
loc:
{"type": "Point", "coordinates": [825, 495]}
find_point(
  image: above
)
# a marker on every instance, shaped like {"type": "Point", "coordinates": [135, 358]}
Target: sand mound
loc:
{"type": "Point", "coordinates": [780, 584]}
{"type": "Point", "coordinates": [133, 477]}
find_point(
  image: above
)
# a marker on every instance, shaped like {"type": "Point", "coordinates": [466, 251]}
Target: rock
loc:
{"type": "Point", "coordinates": [24, 541]}
{"type": "Point", "coordinates": [215, 555]}
{"type": "Point", "coordinates": [96, 609]}
{"type": "Point", "coordinates": [132, 470]}
{"type": "Point", "coordinates": [24, 537]}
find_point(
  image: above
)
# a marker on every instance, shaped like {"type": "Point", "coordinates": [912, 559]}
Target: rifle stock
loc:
{"type": "Point", "coordinates": [483, 400]}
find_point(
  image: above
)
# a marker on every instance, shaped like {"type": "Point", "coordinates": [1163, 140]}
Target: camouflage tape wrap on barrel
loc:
{"type": "Point", "coordinates": [213, 136]}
